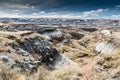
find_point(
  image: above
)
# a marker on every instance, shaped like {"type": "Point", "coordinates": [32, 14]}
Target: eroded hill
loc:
{"type": "Point", "coordinates": [35, 53]}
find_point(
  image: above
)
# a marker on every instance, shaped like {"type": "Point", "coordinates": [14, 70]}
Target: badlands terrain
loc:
{"type": "Point", "coordinates": [32, 52]}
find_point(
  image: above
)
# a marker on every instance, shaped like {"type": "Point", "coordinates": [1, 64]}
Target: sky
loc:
{"type": "Point", "coordinates": [60, 8]}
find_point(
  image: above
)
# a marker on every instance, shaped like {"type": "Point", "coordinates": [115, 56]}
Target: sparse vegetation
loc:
{"type": "Point", "coordinates": [67, 73]}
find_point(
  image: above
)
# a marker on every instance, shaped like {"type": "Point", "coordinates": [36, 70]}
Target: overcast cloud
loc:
{"type": "Point", "coordinates": [60, 8]}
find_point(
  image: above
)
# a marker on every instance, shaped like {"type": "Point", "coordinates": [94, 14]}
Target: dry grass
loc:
{"type": "Point", "coordinates": [67, 73]}
{"type": "Point", "coordinates": [14, 75]}
{"type": "Point", "coordinates": [11, 75]}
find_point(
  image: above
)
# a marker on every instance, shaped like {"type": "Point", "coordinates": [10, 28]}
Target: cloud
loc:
{"type": "Point", "coordinates": [4, 14]}
{"type": "Point", "coordinates": [86, 14]}
{"type": "Point", "coordinates": [19, 6]}
{"type": "Point", "coordinates": [16, 13]}
{"type": "Point", "coordinates": [16, 6]}
{"type": "Point", "coordinates": [93, 12]}
{"type": "Point", "coordinates": [115, 16]}
{"type": "Point", "coordinates": [41, 14]}
{"type": "Point", "coordinates": [41, 4]}
{"type": "Point", "coordinates": [117, 6]}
